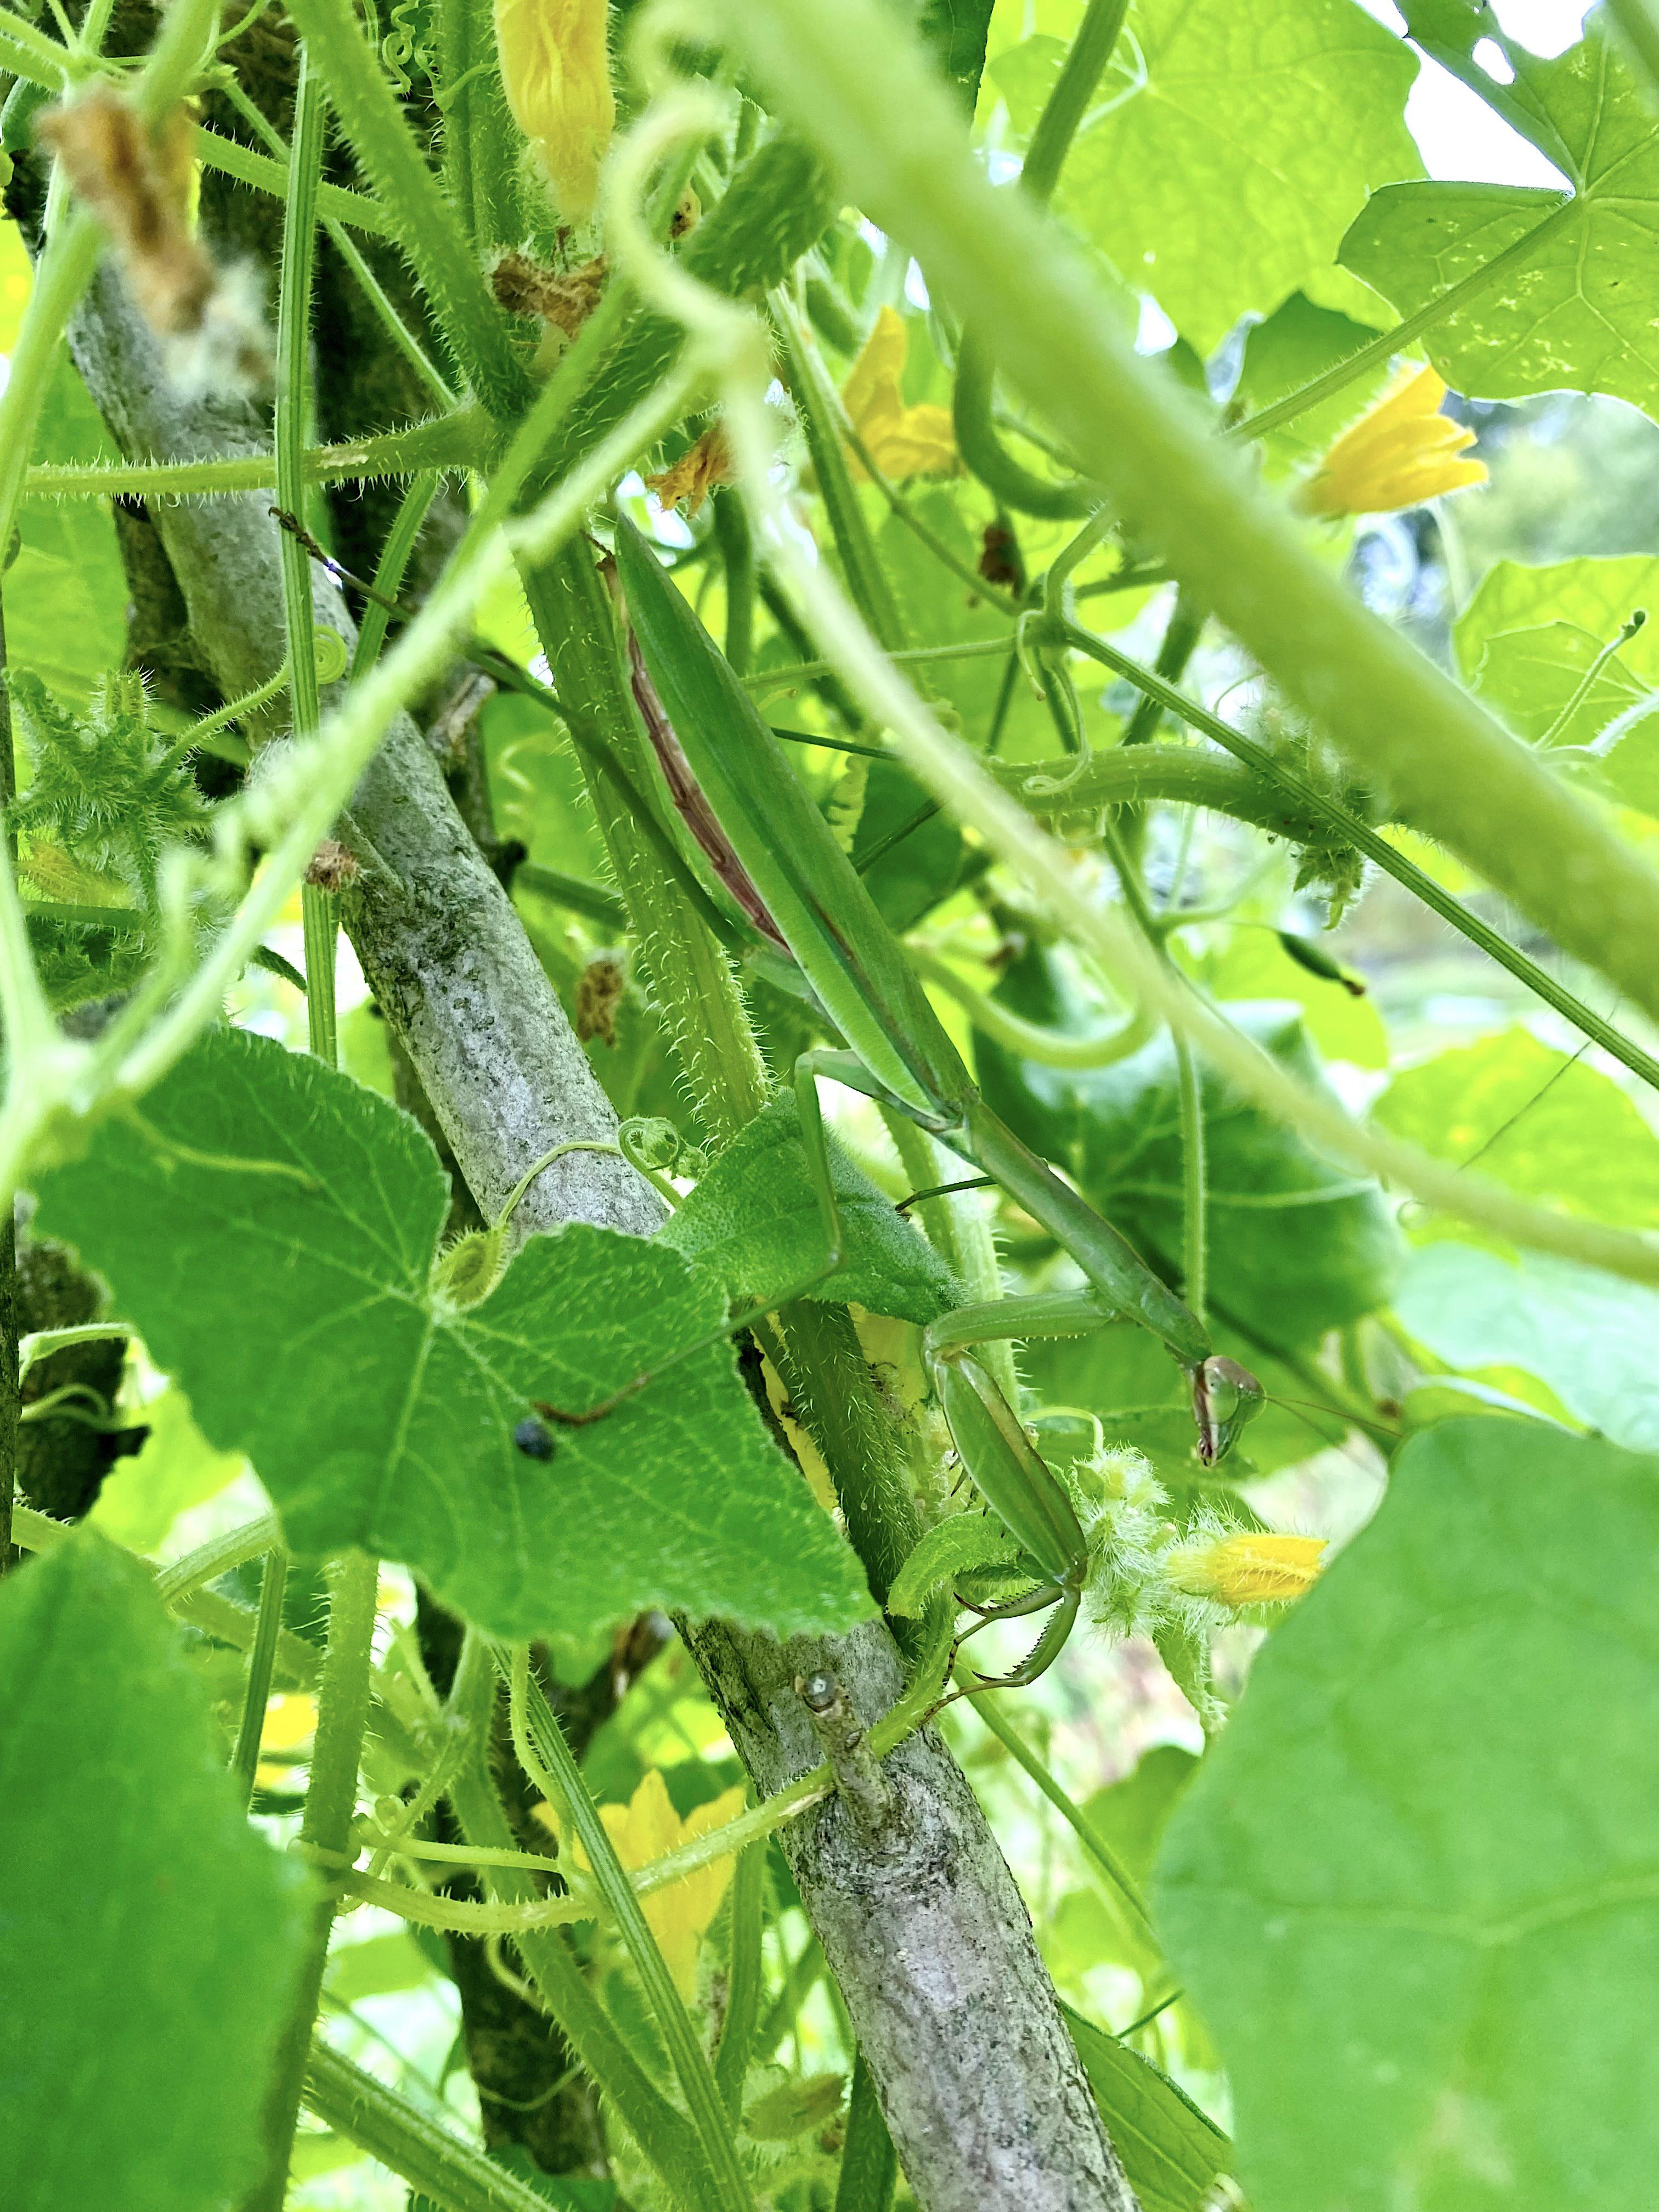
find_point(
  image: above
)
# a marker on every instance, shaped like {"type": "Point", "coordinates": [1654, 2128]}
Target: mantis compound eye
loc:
{"type": "Point", "coordinates": [1225, 1397]}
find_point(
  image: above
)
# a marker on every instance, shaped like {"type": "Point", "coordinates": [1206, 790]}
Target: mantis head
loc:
{"type": "Point", "coordinates": [1225, 1396]}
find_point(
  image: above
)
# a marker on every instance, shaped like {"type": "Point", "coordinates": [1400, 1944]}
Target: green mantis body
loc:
{"type": "Point", "coordinates": [899, 1052]}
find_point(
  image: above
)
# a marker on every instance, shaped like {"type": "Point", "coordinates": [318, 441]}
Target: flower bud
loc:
{"type": "Point", "coordinates": [1248, 1570]}
{"type": "Point", "coordinates": [464, 1272]}
{"type": "Point", "coordinates": [555, 69]}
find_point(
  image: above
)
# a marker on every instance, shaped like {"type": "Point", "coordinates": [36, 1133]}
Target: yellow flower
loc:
{"type": "Point", "coordinates": [555, 68]}
{"type": "Point", "coordinates": [903, 441]}
{"type": "Point", "coordinates": [1249, 1569]}
{"type": "Point", "coordinates": [698, 469]}
{"type": "Point", "coordinates": [1401, 452]}
{"type": "Point", "coordinates": [648, 1827]}
{"type": "Point", "coordinates": [290, 1720]}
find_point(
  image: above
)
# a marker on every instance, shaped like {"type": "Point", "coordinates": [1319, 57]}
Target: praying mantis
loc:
{"type": "Point", "coordinates": [797, 876]}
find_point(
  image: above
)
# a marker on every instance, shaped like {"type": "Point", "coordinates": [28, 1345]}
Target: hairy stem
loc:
{"type": "Point", "coordinates": [245, 166]}
{"type": "Point", "coordinates": [694, 984]}
{"type": "Point", "coordinates": [664, 2135]}
{"type": "Point", "coordinates": [325, 1828]}
{"type": "Point", "coordinates": [319, 908]}
{"type": "Point", "coordinates": [430, 2157]}
{"type": "Point", "coordinates": [474, 328]}
{"type": "Point", "coordinates": [451, 443]}
{"type": "Point", "coordinates": [546, 1758]}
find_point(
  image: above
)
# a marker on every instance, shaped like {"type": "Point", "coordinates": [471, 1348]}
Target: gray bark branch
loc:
{"type": "Point", "coordinates": [444, 952]}
{"type": "Point", "coordinates": [923, 1925]}
{"type": "Point", "coordinates": [930, 1941]}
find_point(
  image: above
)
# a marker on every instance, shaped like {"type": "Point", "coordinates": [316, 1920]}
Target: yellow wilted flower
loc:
{"type": "Point", "coordinates": [903, 441]}
{"type": "Point", "coordinates": [696, 472]}
{"type": "Point", "coordinates": [290, 1720]}
{"type": "Point", "coordinates": [1248, 1570]}
{"type": "Point", "coordinates": [648, 1827]}
{"type": "Point", "coordinates": [555, 69]}
{"type": "Point", "coordinates": [1400, 452]}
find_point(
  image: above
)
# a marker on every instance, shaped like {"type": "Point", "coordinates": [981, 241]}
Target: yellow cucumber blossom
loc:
{"type": "Point", "coordinates": [1248, 1570]}
{"type": "Point", "coordinates": [1402, 451]}
{"type": "Point", "coordinates": [1179, 1588]}
{"type": "Point", "coordinates": [902, 441]}
{"type": "Point", "coordinates": [648, 1827]}
{"type": "Point", "coordinates": [555, 68]}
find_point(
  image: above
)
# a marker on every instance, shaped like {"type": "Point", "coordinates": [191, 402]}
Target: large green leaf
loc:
{"type": "Point", "coordinates": [1597, 597]}
{"type": "Point", "coordinates": [1233, 144]}
{"type": "Point", "coordinates": [1578, 313]}
{"type": "Point", "coordinates": [1171, 2152]}
{"type": "Point", "coordinates": [1411, 1889]}
{"type": "Point", "coordinates": [753, 1222]}
{"type": "Point", "coordinates": [1297, 1246]}
{"type": "Point", "coordinates": [1533, 643]}
{"type": "Point", "coordinates": [1545, 1124]}
{"type": "Point", "coordinates": [269, 1227]}
{"type": "Point", "coordinates": [151, 1938]}
{"type": "Point", "coordinates": [1589, 1336]}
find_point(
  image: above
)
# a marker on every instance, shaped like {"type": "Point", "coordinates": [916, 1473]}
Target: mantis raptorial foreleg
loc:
{"type": "Point", "coordinates": [1011, 1475]}
{"type": "Point", "coordinates": [996, 1453]}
